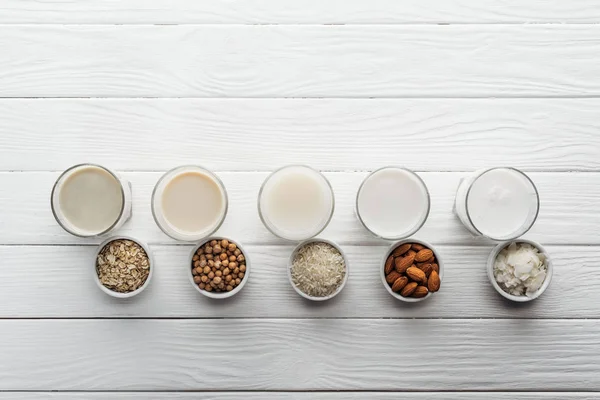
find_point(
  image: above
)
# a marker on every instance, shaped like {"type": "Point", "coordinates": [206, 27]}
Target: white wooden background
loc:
{"type": "Point", "coordinates": [347, 86]}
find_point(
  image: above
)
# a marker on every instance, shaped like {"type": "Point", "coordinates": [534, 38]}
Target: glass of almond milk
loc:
{"type": "Point", "coordinates": [392, 203]}
{"type": "Point", "coordinates": [90, 200]}
{"type": "Point", "coordinates": [189, 203]}
{"type": "Point", "coordinates": [296, 202]}
{"type": "Point", "coordinates": [498, 203]}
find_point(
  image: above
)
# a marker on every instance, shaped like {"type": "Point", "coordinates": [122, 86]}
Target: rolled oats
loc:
{"type": "Point", "coordinates": [122, 266]}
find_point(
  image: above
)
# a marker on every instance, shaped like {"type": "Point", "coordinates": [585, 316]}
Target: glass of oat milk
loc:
{"type": "Point", "coordinates": [498, 203]}
{"type": "Point", "coordinates": [189, 203]}
{"type": "Point", "coordinates": [392, 203]}
{"type": "Point", "coordinates": [296, 202]}
{"type": "Point", "coordinates": [90, 200]}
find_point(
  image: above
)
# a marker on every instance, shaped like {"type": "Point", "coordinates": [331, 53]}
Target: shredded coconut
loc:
{"type": "Point", "coordinates": [318, 269]}
{"type": "Point", "coordinates": [520, 269]}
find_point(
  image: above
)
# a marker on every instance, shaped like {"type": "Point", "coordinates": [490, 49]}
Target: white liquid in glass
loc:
{"type": "Point", "coordinates": [296, 202]}
{"type": "Point", "coordinates": [90, 200]}
{"type": "Point", "coordinates": [392, 203]}
{"type": "Point", "coordinates": [501, 202]}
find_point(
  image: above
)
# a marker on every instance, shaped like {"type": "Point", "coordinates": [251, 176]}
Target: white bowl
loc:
{"type": "Point", "coordinates": [387, 254]}
{"type": "Point", "coordinates": [521, 299]}
{"type": "Point", "coordinates": [138, 290]}
{"type": "Point", "coordinates": [222, 295]}
{"type": "Point", "coordinates": [291, 261]}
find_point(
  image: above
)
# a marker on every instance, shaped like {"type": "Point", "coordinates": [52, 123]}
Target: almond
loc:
{"type": "Point", "coordinates": [420, 291]}
{"type": "Point", "coordinates": [434, 282]}
{"type": "Point", "coordinates": [436, 268]}
{"type": "Point", "coordinates": [409, 289]}
{"type": "Point", "coordinates": [423, 255]}
{"type": "Point", "coordinates": [399, 284]}
{"type": "Point", "coordinates": [400, 250]}
{"type": "Point", "coordinates": [416, 274]}
{"type": "Point", "coordinates": [411, 253]}
{"type": "Point", "coordinates": [392, 276]}
{"type": "Point", "coordinates": [417, 247]}
{"type": "Point", "coordinates": [430, 260]}
{"type": "Point", "coordinates": [389, 265]}
{"type": "Point", "coordinates": [426, 267]}
{"type": "Point", "coordinates": [402, 263]}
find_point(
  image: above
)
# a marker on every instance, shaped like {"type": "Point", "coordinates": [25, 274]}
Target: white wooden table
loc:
{"type": "Point", "coordinates": [347, 86]}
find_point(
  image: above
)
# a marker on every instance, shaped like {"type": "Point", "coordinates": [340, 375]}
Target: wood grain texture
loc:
{"type": "Point", "coordinates": [298, 395]}
{"type": "Point", "coordinates": [299, 61]}
{"type": "Point", "coordinates": [65, 288]}
{"type": "Point", "coordinates": [568, 213]}
{"type": "Point", "coordinates": [296, 12]}
{"type": "Point", "coordinates": [299, 354]}
{"type": "Point", "coordinates": [330, 134]}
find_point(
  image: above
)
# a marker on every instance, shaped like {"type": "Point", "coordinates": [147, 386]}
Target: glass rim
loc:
{"type": "Point", "coordinates": [417, 227]}
{"type": "Point", "coordinates": [329, 217]}
{"type": "Point", "coordinates": [60, 178]}
{"type": "Point", "coordinates": [537, 205]}
{"type": "Point", "coordinates": [211, 175]}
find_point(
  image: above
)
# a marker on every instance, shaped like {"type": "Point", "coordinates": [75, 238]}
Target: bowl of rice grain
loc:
{"type": "Point", "coordinates": [318, 269]}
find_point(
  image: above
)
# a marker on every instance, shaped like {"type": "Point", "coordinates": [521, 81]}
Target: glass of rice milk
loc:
{"type": "Point", "coordinates": [90, 200]}
{"type": "Point", "coordinates": [296, 202]}
{"type": "Point", "coordinates": [498, 203]}
{"type": "Point", "coordinates": [189, 203]}
{"type": "Point", "coordinates": [392, 203]}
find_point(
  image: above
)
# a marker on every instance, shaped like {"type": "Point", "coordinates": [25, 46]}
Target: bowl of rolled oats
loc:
{"type": "Point", "coordinates": [123, 266]}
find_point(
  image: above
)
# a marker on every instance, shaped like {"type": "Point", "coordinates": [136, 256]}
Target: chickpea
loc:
{"type": "Point", "coordinates": [197, 279]}
{"type": "Point", "coordinates": [208, 288]}
{"type": "Point", "coordinates": [225, 263]}
{"type": "Point", "coordinates": [208, 250]}
{"type": "Point", "coordinates": [228, 278]}
{"type": "Point", "coordinates": [243, 268]}
{"type": "Point", "coordinates": [206, 270]}
{"type": "Point", "coordinates": [217, 249]}
{"type": "Point", "coordinates": [233, 265]}
{"type": "Point", "coordinates": [211, 275]}
{"type": "Point", "coordinates": [226, 271]}
{"type": "Point", "coordinates": [211, 263]}
{"type": "Point", "coordinates": [202, 286]}
{"type": "Point", "coordinates": [236, 270]}
{"type": "Point", "coordinates": [232, 258]}
{"type": "Point", "coordinates": [237, 252]}
{"type": "Point", "coordinates": [217, 280]}
{"type": "Point", "coordinates": [218, 273]}
{"type": "Point", "coordinates": [209, 257]}
{"type": "Point", "coordinates": [196, 257]}
{"type": "Point", "coordinates": [200, 251]}
{"type": "Point", "coordinates": [223, 256]}
{"type": "Point", "coordinates": [241, 258]}
{"type": "Point", "coordinates": [196, 263]}
{"type": "Point", "coordinates": [204, 278]}
{"type": "Point", "coordinates": [203, 263]}
{"type": "Point", "coordinates": [213, 243]}
{"type": "Point", "coordinates": [229, 288]}
{"type": "Point", "coordinates": [237, 281]}
{"type": "Point", "coordinates": [231, 247]}
{"type": "Point", "coordinates": [194, 271]}
{"type": "Point", "coordinates": [202, 258]}
{"type": "Point", "coordinates": [217, 264]}
{"type": "Point", "coordinates": [241, 275]}
{"type": "Point", "coordinates": [224, 243]}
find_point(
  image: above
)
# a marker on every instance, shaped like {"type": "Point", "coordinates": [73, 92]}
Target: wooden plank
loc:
{"type": "Point", "coordinates": [568, 213]}
{"type": "Point", "coordinates": [296, 12]}
{"type": "Point", "coordinates": [299, 61]}
{"type": "Point", "coordinates": [330, 134]}
{"type": "Point", "coordinates": [297, 395]}
{"type": "Point", "coordinates": [321, 354]}
{"type": "Point", "coordinates": [61, 285]}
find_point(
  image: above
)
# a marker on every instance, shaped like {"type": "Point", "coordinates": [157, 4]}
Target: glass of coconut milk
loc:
{"type": "Point", "coordinates": [296, 202]}
{"type": "Point", "coordinates": [90, 200]}
{"type": "Point", "coordinates": [498, 203]}
{"type": "Point", "coordinates": [392, 203]}
{"type": "Point", "coordinates": [189, 203]}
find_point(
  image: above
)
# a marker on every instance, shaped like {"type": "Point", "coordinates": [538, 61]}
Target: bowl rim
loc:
{"type": "Point", "coordinates": [222, 295]}
{"type": "Point", "coordinates": [391, 248]}
{"type": "Point", "coordinates": [519, 299]}
{"type": "Point", "coordinates": [112, 293]}
{"type": "Point", "coordinates": [291, 261]}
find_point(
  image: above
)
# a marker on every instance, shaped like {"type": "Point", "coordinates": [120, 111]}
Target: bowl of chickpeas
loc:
{"type": "Point", "coordinates": [219, 267]}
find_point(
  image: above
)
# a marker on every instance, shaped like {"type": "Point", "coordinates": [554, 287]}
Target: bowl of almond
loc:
{"type": "Point", "coordinates": [412, 270]}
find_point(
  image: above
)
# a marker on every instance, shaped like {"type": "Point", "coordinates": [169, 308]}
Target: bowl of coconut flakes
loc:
{"type": "Point", "coordinates": [520, 270]}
